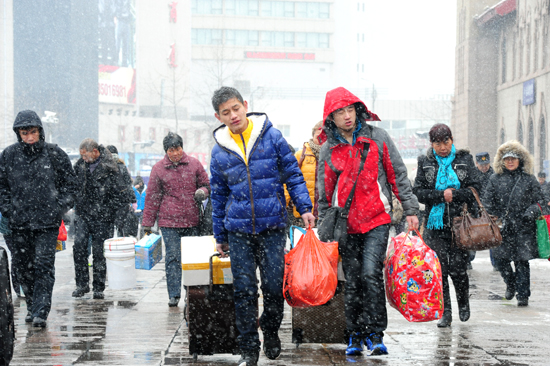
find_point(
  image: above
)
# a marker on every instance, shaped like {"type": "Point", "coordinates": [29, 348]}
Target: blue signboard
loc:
{"type": "Point", "coordinates": [529, 92]}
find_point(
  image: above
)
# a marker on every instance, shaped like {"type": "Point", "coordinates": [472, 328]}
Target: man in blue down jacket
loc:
{"type": "Point", "coordinates": [250, 164]}
{"type": "Point", "coordinates": [37, 186]}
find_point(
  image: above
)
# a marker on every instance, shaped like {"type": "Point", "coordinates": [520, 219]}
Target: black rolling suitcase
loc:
{"type": "Point", "coordinates": [7, 326]}
{"type": "Point", "coordinates": [210, 312]}
{"type": "Point", "coordinates": [321, 324]}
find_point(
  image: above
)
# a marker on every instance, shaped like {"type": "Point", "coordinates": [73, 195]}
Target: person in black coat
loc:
{"type": "Point", "coordinates": [443, 177]}
{"type": "Point", "coordinates": [514, 195]}
{"type": "Point", "coordinates": [125, 221]}
{"type": "Point", "coordinates": [544, 186]}
{"type": "Point", "coordinates": [97, 203]}
{"type": "Point", "coordinates": [483, 163]}
{"type": "Point", "coordinates": [37, 187]}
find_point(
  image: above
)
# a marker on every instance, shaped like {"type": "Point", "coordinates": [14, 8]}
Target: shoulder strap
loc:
{"type": "Point", "coordinates": [364, 154]}
{"type": "Point", "coordinates": [302, 157]}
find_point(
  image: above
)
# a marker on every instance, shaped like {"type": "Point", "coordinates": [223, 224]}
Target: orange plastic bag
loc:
{"type": "Point", "coordinates": [62, 236]}
{"type": "Point", "coordinates": [311, 272]}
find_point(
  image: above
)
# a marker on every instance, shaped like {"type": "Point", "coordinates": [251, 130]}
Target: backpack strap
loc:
{"type": "Point", "coordinates": [302, 157]}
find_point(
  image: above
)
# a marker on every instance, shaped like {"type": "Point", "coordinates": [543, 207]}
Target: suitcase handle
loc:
{"type": "Point", "coordinates": [212, 268]}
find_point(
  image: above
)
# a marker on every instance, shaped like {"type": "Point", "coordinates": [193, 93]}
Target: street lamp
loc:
{"type": "Point", "coordinates": [142, 144]}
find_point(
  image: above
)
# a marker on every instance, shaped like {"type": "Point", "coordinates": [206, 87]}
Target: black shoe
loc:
{"type": "Point", "coordinates": [523, 301]}
{"type": "Point", "coordinates": [28, 318]}
{"type": "Point", "coordinates": [38, 322]}
{"type": "Point", "coordinates": [272, 345]}
{"type": "Point", "coordinates": [173, 302]}
{"type": "Point", "coordinates": [469, 266]}
{"type": "Point", "coordinates": [464, 312]}
{"type": "Point", "coordinates": [80, 291]}
{"type": "Point", "coordinates": [445, 320]}
{"type": "Point", "coordinates": [510, 293]}
{"type": "Point", "coordinates": [98, 295]}
{"type": "Point", "coordinates": [249, 358]}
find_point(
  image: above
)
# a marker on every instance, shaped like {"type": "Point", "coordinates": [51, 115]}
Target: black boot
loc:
{"type": "Point", "coordinates": [446, 319]}
{"type": "Point", "coordinates": [510, 292]}
{"type": "Point", "coordinates": [463, 299]}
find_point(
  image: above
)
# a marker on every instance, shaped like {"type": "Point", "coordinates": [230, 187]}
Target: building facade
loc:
{"type": "Point", "coordinates": [503, 75]}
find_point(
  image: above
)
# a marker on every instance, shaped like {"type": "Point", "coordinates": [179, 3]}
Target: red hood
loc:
{"type": "Point", "coordinates": [340, 98]}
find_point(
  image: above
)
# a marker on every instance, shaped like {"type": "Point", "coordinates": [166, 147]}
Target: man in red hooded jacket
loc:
{"type": "Point", "coordinates": [347, 134]}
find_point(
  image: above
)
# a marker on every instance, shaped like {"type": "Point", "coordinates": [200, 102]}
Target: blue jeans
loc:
{"type": "Point", "coordinates": [249, 251]}
{"type": "Point", "coordinates": [363, 263]}
{"type": "Point", "coordinates": [34, 259]}
{"type": "Point", "coordinates": [172, 240]}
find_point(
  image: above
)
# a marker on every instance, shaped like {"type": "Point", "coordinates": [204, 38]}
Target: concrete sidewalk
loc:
{"type": "Point", "coordinates": [136, 327]}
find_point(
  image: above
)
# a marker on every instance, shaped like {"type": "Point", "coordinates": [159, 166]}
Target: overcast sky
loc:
{"type": "Point", "coordinates": [413, 45]}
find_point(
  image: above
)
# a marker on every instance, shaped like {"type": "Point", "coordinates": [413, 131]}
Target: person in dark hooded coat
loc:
{"type": "Point", "coordinates": [513, 194]}
{"type": "Point", "coordinates": [37, 187]}
{"type": "Point", "coordinates": [99, 198]}
{"type": "Point", "coordinates": [442, 183]}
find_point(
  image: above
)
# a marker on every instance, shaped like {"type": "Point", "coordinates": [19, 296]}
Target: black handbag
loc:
{"type": "Point", "coordinates": [334, 226]}
{"type": "Point", "coordinates": [205, 226]}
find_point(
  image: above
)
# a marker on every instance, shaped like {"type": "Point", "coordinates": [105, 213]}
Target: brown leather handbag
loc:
{"type": "Point", "coordinates": [471, 233]}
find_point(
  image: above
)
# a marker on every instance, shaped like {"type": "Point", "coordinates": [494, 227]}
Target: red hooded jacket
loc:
{"type": "Point", "coordinates": [384, 171]}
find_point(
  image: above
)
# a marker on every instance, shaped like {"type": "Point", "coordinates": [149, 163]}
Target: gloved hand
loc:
{"type": "Point", "coordinates": [200, 195]}
{"type": "Point", "coordinates": [147, 230]}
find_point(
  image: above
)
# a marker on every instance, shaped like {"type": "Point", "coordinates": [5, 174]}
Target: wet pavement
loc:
{"type": "Point", "coordinates": [136, 327]}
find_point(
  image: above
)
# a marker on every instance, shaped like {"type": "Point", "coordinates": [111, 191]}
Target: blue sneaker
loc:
{"type": "Point", "coordinates": [355, 346]}
{"type": "Point", "coordinates": [375, 344]}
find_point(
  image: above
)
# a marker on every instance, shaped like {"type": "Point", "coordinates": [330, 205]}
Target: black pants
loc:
{"type": "Point", "coordinates": [453, 262]}
{"type": "Point", "coordinates": [34, 259]}
{"type": "Point", "coordinates": [99, 232]}
{"type": "Point", "coordinates": [520, 280]}
{"type": "Point", "coordinates": [363, 263]}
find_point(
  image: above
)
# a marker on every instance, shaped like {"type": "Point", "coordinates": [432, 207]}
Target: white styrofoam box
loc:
{"type": "Point", "coordinates": [195, 255]}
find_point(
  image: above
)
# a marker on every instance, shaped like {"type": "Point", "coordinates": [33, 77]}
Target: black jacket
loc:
{"type": "Point", "coordinates": [484, 179]}
{"type": "Point", "coordinates": [125, 182]}
{"type": "Point", "coordinates": [424, 184]}
{"type": "Point", "coordinates": [37, 182]}
{"type": "Point", "coordinates": [519, 231]}
{"type": "Point", "coordinates": [100, 194]}
{"type": "Point", "coordinates": [516, 207]}
{"type": "Point", "coordinates": [546, 191]}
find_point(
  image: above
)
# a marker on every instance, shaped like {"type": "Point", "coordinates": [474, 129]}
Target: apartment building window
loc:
{"type": "Point", "coordinates": [528, 51]}
{"type": "Point", "coordinates": [285, 130]}
{"type": "Point", "coordinates": [503, 55]}
{"type": "Point", "coordinates": [312, 10]}
{"type": "Point", "coordinates": [520, 57]}
{"type": "Point", "coordinates": [206, 36]}
{"type": "Point", "coordinates": [502, 136]}
{"type": "Point", "coordinates": [312, 40]}
{"type": "Point", "coordinates": [520, 132]}
{"type": "Point", "coordinates": [531, 137]}
{"type": "Point", "coordinates": [277, 39]}
{"type": "Point", "coordinates": [241, 7]}
{"type": "Point", "coordinates": [277, 9]}
{"type": "Point", "coordinates": [235, 37]}
{"type": "Point", "coordinates": [206, 6]}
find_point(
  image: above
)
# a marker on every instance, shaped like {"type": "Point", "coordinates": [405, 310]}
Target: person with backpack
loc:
{"type": "Point", "coordinates": [37, 187]}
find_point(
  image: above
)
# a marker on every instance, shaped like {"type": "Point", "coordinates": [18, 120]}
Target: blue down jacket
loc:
{"type": "Point", "coordinates": [250, 198]}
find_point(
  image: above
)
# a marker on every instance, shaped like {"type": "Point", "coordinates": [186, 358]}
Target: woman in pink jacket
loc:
{"type": "Point", "coordinates": [177, 186]}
